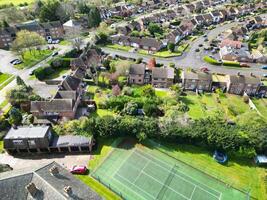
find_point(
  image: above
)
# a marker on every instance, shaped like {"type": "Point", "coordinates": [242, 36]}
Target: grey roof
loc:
{"type": "Point", "coordinates": [159, 72]}
{"type": "Point", "coordinates": [49, 186]}
{"type": "Point", "coordinates": [244, 79]}
{"type": "Point", "coordinates": [55, 105]}
{"type": "Point", "coordinates": [70, 83]}
{"type": "Point", "coordinates": [27, 132]}
{"type": "Point", "coordinates": [193, 75]}
{"type": "Point", "coordinates": [66, 95]}
{"type": "Point", "coordinates": [71, 140]}
{"type": "Point", "coordinates": [137, 69]}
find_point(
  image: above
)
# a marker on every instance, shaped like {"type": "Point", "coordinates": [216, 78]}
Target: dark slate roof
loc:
{"type": "Point", "coordinates": [79, 73]}
{"type": "Point", "coordinates": [71, 140]}
{"type": "Point", "coordinates": [27, 132]}
{"type": "Point", "coordinates": [55, 105]}
{"type": "Point", "coordinates": [66, 95]}
{"type": "Point", "coordinates": [49, 186]}
{"type": "Point", "coordinates": [137, 69]}
{"type": "Point", "coordinates": [70, 83]}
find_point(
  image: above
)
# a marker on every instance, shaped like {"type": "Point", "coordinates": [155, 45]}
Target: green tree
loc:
{"type": "Point", "coordinates": [5, 24]}
{"type": "Point", "coordinates": [15, 116]}
{"type": "Point", "coordinates": [148, 91]}
{"type": "Point", "coordinates": [154, 28]}
{"type": "Point", "coordinates": [130, 108]}
{"type": "Point", "coordinates": [20, 81]}
{"type": "Point", "coordinates": [52, 11]}
{"type": "Point", "coordinates": [171, 47]}
{"type": "Point", "coordinates": [94, 17]}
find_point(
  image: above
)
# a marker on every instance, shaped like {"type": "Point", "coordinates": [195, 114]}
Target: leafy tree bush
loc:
{"type": "Point", "coordinates": [171, 47]}
{"type": "Point", "coordinates": [131, 108]}
{"type": "Point", "coordinates": [15, 116]}
{"type": "Point", "coordinates": [154, 29]}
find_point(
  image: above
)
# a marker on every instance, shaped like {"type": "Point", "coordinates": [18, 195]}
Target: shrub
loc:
{"type": "Point", "coordinates": [231, 63]}
{"type": "Point", "coordinates": [60, 62]}
{"type": "Point", "coordinates": [42, 72]}
{"type": "Point", "coordinates": [211, 60]}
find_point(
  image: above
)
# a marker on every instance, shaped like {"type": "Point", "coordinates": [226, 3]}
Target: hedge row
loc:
{"type": "Point", "coordinates": [211, 60]}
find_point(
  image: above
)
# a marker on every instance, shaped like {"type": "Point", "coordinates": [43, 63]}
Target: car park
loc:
{"type": "Point", "coordinates": [78, 169]}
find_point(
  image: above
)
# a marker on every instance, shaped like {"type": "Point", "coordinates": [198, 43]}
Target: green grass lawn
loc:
{"type": "Point", "coordinates": [239, 173]}
{"type": "Point", "coordinates": [32, 58]}
{"type": "Point", "coordinates": [162, 93]}
{"type": "Point", "coordinates": [4, 77]}
{"type": "Point", "coordinates": [65, 42]}
{"type": "Point", "coordinates": [15, 2]}
{"type": "Point", "coordinates": [119, 47]}
{"type": "Point", "coordinates": [98, 187]}
{"type": "Point", "coordinates": [211, 60]}
{"type": "Point", "coordinates": [1, 146]}
{"type": "Point", "coordinates": [261, 105]}
{"type": "Point", "coordinates": [5, 83]}
{"type": "Point", "coordinates": [167, 54]}
{"type": "Point", "coordinates": [209, 104]}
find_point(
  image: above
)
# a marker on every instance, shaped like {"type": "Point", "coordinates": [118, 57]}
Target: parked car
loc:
{"type": "Point", "coordinates": [17, 62]}
{"type": "Point", "coordinates": [264, 75]}
{"type": "Point", "coordinates": [244, 65]}
{"type": "Point", "coordinates": [264, 67]}
{"type": "Point", "coordinates": [78, 169]}
{"type": "Point", "coordinates": [197, 50]}
{"type": "Point", "coordinates": [31, 73]}
{"type": "Point", "coordinates": [12, 61]}
{"type": "Point", "coordinates": [54, 54]}
{"type": "Point", "coordinates": [200, 45]}
{"type": "Point", "coordinates": [204, 69]}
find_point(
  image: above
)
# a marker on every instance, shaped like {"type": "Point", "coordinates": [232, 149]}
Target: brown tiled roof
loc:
{"type": "Point", "coordinates": [137, 69]}
{"type": "Point", "coordinates": [55, 105]}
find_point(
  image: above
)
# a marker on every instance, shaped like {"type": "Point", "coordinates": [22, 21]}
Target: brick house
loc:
{"type": "Point", "coordinates": [137, 74]}
{"type": "Point", "coordinates": [53, 30]}
{"type": "Point", "coordinates": [194, 80]}
{"type": "Point", "coordinates": [235, 54]}
{"type": "Point", "coordinates": [162, 77]}
{"type": "Point", "coordinates": [238, 84]}
{"type": "Point", "coordinates": [64, 104]}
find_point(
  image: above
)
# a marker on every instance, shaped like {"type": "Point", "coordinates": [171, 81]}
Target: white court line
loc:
{"type": "Point", "coordinates": [193, 192]}
{"type": "Point", "coordinates": [179, 175]}
{"type": "Point", "coordinates": [141, 171]}
{"type": "Point", "coordinates": [220, 196]}
{"type": "Point", "coordinates": [122, 163]}
{"type": "Point", "coordinates": [136, 186]}
{"type": "Point", "coordinates": [166, 186]}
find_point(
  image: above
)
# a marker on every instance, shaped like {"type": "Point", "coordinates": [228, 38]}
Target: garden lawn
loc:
{"type": "Point", "coordinates": [1, 146]}
{"type": "Point", "coordinates": [239, 173]}
{"type": "Point", "coordinates": [64, 42]}
{"type": "Point", "coordinates": [102, 190]}
{"type": "Point", "coordinates": [58, 72]}
{"type": "Point", "coordinates": [261, 105]}
{"type": "Point", "coordinates": [119, 47]}
{"type": "Point", "coordinates": [5, 83]}
{"type": "Point", "coordinates": [4, 77]}
{"type": "Point", "coordinates": [167, 54]}
{"type": "Point", "coordinates": [32, 58]}
{"type": "Point", "coordinates": [209, 104]}
{"type": "Point", "coordinates": [162, 93]}
{"type": "Point", "coordinates": [16, 2]}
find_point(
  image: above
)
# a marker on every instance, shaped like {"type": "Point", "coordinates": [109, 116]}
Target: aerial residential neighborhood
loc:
{"type": "Point", "coordinates": [133, 100]}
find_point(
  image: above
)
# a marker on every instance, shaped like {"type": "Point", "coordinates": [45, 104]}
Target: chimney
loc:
{"type": "Point", "coordinates": [68, 190]}
{"type": "Point", "coordinates": [32, 189]}
{"type": "Point", "coordinates": [54, 170]}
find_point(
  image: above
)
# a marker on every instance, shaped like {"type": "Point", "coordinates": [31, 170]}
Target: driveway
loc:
{"type": "Point", "coordinates": [66, 161]}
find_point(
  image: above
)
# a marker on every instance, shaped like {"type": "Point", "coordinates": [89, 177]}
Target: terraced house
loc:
{"type": "Point", "coordinates": [47, 30]}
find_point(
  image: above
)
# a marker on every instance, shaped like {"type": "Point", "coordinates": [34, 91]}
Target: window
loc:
{"type": "Point", "coordinates": [140, 80]}
{"type": "Point", "coordinates": [18, 142]}
{"type": "Point", "coordinates": [31, 142]}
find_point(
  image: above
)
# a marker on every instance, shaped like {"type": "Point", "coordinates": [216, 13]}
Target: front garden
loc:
{"type": "Point", "coordinates": [226, 63]}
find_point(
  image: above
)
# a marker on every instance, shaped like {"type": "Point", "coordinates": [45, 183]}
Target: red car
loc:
{"type": "Point", "coordinates": [78, 169]}
{"type": "Point", "coordinates": [204, 69]}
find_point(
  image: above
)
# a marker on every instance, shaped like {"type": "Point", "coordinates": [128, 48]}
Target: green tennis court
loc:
{"type": "Point", "coordinates": [141, 173]}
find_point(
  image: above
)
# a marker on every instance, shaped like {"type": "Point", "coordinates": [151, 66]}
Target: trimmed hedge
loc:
{"type": "Point", "coordinates": [211, 60]}
{"type": "Point", "coordinates": [231, 63]}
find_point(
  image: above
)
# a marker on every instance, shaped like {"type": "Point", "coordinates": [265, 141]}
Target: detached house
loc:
{"type": "Point", "coordinates": [137, 74]}
{"type": "Point", "coordinates": [238, 84]}
{"type": "Point", "coordinates": [194, 80]}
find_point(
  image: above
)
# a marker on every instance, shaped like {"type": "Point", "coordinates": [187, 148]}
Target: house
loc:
{"type": "Point", "coordinates": [216, 16]}
{"type": "Point", "coordinates": [44, 181]}
{"type": "Point", "coordinates": [233, 54]}
{"type": "Point", "coordinates": [199, 19]}
{"type": "Point", "coordinates": [194, 80]}
{"type": "Point", "coordinates": [207, 19]}
{"type": "Point", "coordinates": [40, 139]}
{"type": "Point", "coordinates": [175, 36]}
{"type": "Point", "coordinates": [162, 77]}
{"type": "Point", "coordinates": [65, 102]}
{"type": "Point", "coordinates": [48, 30]}
{"type": "Point", "coordinates": [137, 74]}
{"type": "Point", "coordinates": [240, 84]}
{"type": "Point", "coordinates": [231, 43]}
{"type": "Point", "coordinates": [190, 8]}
